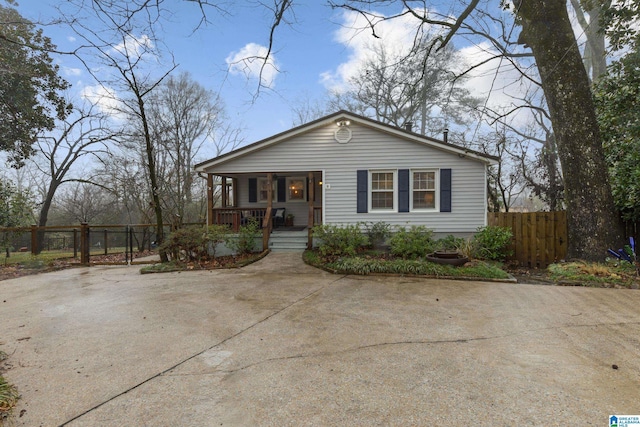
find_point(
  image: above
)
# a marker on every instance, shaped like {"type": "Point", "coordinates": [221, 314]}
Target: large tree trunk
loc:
{"type": "Point", "coordinates": [153, 178]}
{"type": "Point", "coordinates": [593, 222]}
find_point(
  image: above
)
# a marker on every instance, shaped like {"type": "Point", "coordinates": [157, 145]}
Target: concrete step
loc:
{"type": "Point", "coordinates": [288, 241]}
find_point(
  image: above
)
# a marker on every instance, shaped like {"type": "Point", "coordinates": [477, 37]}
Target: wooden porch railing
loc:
{"type": "Point", "coordinates": [235, 217]}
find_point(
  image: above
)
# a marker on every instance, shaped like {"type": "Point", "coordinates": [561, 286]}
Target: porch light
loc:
{"type": "Point", "coordinates": [320, 182]}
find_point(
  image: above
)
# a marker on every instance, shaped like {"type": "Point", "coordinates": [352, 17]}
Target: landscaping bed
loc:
{"type": "Point", "coordinates": [228, 261]}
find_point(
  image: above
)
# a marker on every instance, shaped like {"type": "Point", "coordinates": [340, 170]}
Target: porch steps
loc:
{"type": "Point", "coordinates": [288, 241]}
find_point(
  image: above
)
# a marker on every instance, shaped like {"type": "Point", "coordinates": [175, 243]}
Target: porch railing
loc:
{"type": "Point", "coordinates": [235, 217]}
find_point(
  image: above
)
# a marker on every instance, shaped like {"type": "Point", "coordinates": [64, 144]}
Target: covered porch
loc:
{"type": "Point", "coordinates": [276, 200]}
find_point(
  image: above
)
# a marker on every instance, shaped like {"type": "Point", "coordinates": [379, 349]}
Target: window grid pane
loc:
{"type": "Point", "coordinates": [382, 181]}
{"type": "Point", "coordinates": [424, 199]}
{"type": "Point", "coordinates": [382, 200]}
{"type": "Point", "coordinates": [424, 185]}
{"type": "Point", "coordinates": [382, 190]}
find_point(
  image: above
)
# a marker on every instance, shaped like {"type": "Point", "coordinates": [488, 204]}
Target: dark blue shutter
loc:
{"type": "Point", "coordinates": [362, 191]}
{"type": "Point", "coordinates": [253, 190]}
{"type": "Point", "coordinates": [403, 190]}
{"type": "Point", "coordinates": [282, 189]}
{"type": "Point", "coordinates": [445, 190]}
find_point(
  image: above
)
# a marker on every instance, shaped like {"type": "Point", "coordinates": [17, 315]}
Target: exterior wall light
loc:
{"type": "Point", "coordinates": [343, 122]}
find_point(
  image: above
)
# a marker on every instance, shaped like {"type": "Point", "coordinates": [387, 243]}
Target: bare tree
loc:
{"type": "Point", "coordinates": [589, 16]}
{"type": "Point", "coordinates": [85, 202]}
{"type": "Point", "coordinates": [81, 135]}
{"type": "Point", "coordinates": [400, 87]}
{"type": "Point", "coordinates": [131, 68]}
{"type": "Point", "coordinates": [184, 119]}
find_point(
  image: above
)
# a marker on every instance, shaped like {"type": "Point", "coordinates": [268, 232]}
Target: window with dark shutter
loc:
{"type": "Point", "coordinates": [362, 190]}
{"type": "Point", "coordinates": [403, 190]}
{"type": "Point", "coordinates": [445, 190]}
{"type": "Point", "coordinates": [253, 190]}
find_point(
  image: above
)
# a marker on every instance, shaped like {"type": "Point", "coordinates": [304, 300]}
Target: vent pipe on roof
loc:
{"type": "Point", "coordinates": [446, 135]}
{"type": "Point", "coordinates": [408, 126]}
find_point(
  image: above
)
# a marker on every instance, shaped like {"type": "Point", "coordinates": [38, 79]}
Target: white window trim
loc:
{"type": "Point", "coordinates": [436, 208]}
{"type": "Point", "coordinates": [304, 189]}
{"type": "Point", "coordinates": [274, 190]}
{"type": "Point", "coordinates": [395, 191]}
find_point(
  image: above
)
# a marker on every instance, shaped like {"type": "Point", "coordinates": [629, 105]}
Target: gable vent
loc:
{"type": "Point", "coordinates": [342, 135]}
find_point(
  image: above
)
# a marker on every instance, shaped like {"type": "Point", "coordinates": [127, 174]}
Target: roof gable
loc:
{"type": "Point", "coordinates": [335, 118]}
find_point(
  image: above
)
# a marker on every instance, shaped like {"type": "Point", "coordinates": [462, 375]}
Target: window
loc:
{"type": "Point", "coordinates": [296, 189]}
{"type": "Point", "coordinates": [263, 188]}
{"type": "Point", "coordinates": [423, 190]}
{"type": "Point", "coordinates": [383, 185]}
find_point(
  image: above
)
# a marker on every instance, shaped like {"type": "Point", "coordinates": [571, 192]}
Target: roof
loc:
{"type": "Point", "coordinates": [346, 115]}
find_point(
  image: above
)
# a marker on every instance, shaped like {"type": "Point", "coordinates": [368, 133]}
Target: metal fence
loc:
{"type": "Point", "coordinates": [81, 241]}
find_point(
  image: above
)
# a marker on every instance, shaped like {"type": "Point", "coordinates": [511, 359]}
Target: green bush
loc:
{"type": "Point", "coordinates": [492, 243]}
{"type": "Point", "coordinates": [193, 243]}
{"type": "Point", "coordinates": [215, 234]}
{"type": "Point", "coordinates": [449, 243]}
{"type": "Point", "coordinates": [413, 243]}
{"type": "Point", "coordinates": [244, 241]}
{"type": "Point", "coordinates": [187, 244]}
{"type": "Point", "coordinates": [378, 232]}
{"type": "Point", "coordinates": [340, 241]}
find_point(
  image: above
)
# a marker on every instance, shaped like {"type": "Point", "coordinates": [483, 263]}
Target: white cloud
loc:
{"type": "Point", "coordinates": [134, 47]}
{"type": "Point", "coordinates": [71, 39]}
{"type": "Point", "coordinates": [397, 37]}
{"type": "Point", "coordinates": [250, 63]}
{"type": "Point", "coordinates": [105, 98]}
{"type": "Point", "coordinates": [69, 71]}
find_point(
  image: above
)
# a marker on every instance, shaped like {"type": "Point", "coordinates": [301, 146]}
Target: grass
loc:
{"type": "Point", "coordinates": [8, 394]}
{"type": "Point", "coordinates": [209, 264]}
{"type": "Point", "coordinates": [371, 264]}
{"type": "Point", "coordinates": [46, 257]}
{"type": "Point", "coordinates": [594, 274]}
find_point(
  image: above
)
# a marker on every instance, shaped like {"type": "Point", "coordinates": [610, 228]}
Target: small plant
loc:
{"type": "Point", "coordinates": [465, 248]}
{"type": "Point", "coordinates": [449, 243]}
{"type": "Point", "coordinates": [215, 234]}
{"type": "Point", "coordinates": [378, 232]}
{"type": "Point", "coordinates": [413, 243]}
{"type": "Point", "coordinates": [339, 241]}
{"type": "Point", "coordinates": [492, 243]}
{"type": "Point", "coordinates": [8, 394]}
{"type": "Point", "coordinates": [628, 253]}
{"type": "Point", "coordinates": [244, 241]}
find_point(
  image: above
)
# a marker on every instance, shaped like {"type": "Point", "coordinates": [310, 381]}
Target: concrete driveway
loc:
{"type": "Point", "coordinates": [279, 343]}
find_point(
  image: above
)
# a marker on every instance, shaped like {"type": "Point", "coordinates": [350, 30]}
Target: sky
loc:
{"type": "Point", "coordinates": [317, 50]}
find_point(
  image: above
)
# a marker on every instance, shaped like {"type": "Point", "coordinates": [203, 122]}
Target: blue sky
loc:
{"type": "Point", "coordinates": [303, 52]}
{"type": "Point", "coordinates": [317, 51]}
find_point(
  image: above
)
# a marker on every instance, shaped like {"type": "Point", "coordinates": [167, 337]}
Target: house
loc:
{"type": "Point", "coordinates": [344, 169]}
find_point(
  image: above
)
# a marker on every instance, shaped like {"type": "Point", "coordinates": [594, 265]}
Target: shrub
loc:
{"type": "Point", "coordinates": [340, 241]}
{"type": "Point", "coordinates": [215, 234]}
{"type": "Point", "coordinates": [449, 243]}
{"type": "Point", "coordinates": [413, 243]}
{"type": "Point", "coordinates": [193, 243]}
{"type": "Point", "coordinates": [492, 243]}
{"type": "Point", "coordinates": [244, 241]}
{"type": "Point", "coordinates": [187, 244]}
{"type": "Point", "coordinates": [378, 232]}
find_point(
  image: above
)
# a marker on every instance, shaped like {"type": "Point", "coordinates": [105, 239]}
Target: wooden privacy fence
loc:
{"type": "Point", "coordinates": [539, 238]}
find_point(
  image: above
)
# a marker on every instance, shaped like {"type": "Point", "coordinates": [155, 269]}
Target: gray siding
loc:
{"type": "Point", "coordinates": [369, 149]}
